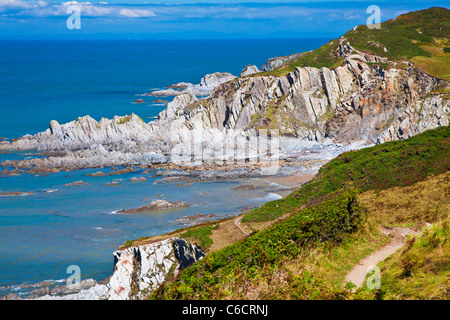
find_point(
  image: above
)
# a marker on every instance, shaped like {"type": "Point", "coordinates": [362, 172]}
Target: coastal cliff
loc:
{"type": "Point", "coordinates": [358, 90]}
{"type": "Point", "coordinates": [138, 271]}
{"type": "Point", "coordinates": [367, 99]}
{"type": "Point", "coordinates": [363, 98]}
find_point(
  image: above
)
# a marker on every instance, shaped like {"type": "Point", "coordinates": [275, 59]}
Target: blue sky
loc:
{"type": "Point", "coordinates": [39, 19]}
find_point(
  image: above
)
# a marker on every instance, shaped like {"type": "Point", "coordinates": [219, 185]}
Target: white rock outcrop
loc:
{"type": "Point", "coordinates": [204, 88]}
{"type": "Point", "coordinates": [249, 69]}
{"type": "Point", "coordinates": [140, 270]}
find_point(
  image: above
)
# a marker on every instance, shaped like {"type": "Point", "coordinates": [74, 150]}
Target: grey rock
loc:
{"type": "Point", "coordinates": [357, 103]}
{"type": "Point", "coordinates": [55, 290]}
{"type": "Point", "coordinates": [207, 84]}
{"type": "Point", "coordinates": [157, 205]}
{"type": "Point", "coordinates": [249, 69]}
{"type": "Point", "coordinates": [41, 291]}
{"type": "Point", "coordinates": [138, 179]}
{"type": "Point", "coordinates": [277, 62]}
{"type": "Point", "coordinates": [186, 253]}
{"type": "Point", "coordinates": [11, 296]}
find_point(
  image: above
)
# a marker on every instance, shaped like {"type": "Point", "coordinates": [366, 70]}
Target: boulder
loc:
{"type": "Point", "coordinates": [186, 253]}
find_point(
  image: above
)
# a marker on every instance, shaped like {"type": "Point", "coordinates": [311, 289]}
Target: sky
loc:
{"type": "Point", "coordinates": [196, 19]}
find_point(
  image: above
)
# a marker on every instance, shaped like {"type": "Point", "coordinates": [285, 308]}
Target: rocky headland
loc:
{"type": "Point", "coordinates": [137, 271]}
{"type": "Point", "coordinates": [218, 129]}
{"type": "Point", "coordinates": [317, 113]}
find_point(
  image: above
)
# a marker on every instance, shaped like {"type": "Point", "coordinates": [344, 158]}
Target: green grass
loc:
{"type": "Point", "coordinates": [307, 254]}
{"type": "Point", "coordinates": [422, 269]}
{"type": "Point", "coordinates": [329, 223]}
{"type": "Point", "coordinates": [128, 244]}
{"type": "Point", "coordinates": [396, 163]}
{"type": "Point", "coordinates": [404, 38]}
{"type": "Point", "coordinates": [200, 235]}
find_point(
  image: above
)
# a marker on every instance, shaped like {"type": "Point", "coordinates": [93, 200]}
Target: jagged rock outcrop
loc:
{"type": "Point", "coordinates": [186, 253]}
{"type": "Point", "coordinates": [84, 133]}
{"type": "Point", "coordinates": [365, 100]}
{"type": "Point", "coordinates": [140, 270]}
{"type": "Point", "coordinates": [358, 100]}
{"type": "Point", "coordinates": [277, 62]}
{"type": "Point", "coordinates": [249, 69]}
{"type": "Point", "coordinates": [207, 84]}
{"type": "Point", "coordinates": [156, 205]}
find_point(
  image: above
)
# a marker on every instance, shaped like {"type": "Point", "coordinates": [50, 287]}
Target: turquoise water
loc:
{"type": "Point", "coordinates": [63, 80]}
{"type": "Point", "coordinates": [57, 226]}
{"type": "Point", "coordinates": [41, 234]}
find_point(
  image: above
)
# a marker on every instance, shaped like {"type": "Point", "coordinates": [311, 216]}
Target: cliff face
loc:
{"type": "Point", "coordinates": [140, 270]}
{"type": "Point", "coordinates": [365, 99]}
{"type": "Point", "coordinates": [359, 100]}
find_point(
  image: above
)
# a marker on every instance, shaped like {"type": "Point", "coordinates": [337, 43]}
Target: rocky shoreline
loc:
{"type": "Point", "coordinates": [240, 127]}
{"type": "Point", "coordinates": [137, 271]}
{"type": "Point", "coordinates": [90, 289]}
{"type": "Point", "coordinates": [359, 102]}
{"type": "Point", "coordinates": [52, 289]}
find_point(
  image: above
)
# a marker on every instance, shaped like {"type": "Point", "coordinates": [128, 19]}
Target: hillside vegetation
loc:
{"type": "Point", "coordinates": [421, 37]}
{"type": "Point", "coordinates": [396, 163]}
{"type": "Point", "coordinates": [330, 224]}
{"type": "Point", "coordinates": [422, 269]}
{"type": "Point", "coordinates": [304, 245]}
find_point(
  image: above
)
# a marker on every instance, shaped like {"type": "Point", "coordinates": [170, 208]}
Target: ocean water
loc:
{"type": "Point", "coordinates": [43, 233]}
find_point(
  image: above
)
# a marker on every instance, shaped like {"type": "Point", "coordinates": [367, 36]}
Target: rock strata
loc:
{"type": "Point", "coordinates": [356, 104]}
{"type": "Point", "coordinates": [277, 62]}
{"type": "Point", "coordinates": [140, 270]}
{"type": "Point", "coordinates": [249, 69]}
{"type": "Point", "coordinates": [186, 253]}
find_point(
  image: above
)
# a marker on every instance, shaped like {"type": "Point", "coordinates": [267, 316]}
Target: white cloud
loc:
{"type": "Point", "coordinates": [37, 8]}
{"type": "Point", "coordinates": [136, 13]}
{"type": "Point", "coordinates": [182, 12]}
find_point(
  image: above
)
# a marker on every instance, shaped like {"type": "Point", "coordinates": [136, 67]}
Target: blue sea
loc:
{"type": "Point", "coordinates": [43, 233]}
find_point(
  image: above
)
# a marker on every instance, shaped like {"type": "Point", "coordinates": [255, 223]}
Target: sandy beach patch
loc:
{"type": "Point", "coordinates": [291, 182]}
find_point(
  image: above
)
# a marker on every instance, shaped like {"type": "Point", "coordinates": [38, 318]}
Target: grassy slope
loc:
{"type": "Point", "coordinates": [412, 206]}
{"type": "Point", "coordinates": [422, 269]}
{"type": "Point", "coordinates": [251, 264]}
{"type": "Point", "coordinates": [420, 37]}
{"type": "Point", "coordinates": [306, 255]}
{"type": "Point", "coordinates": [396, 163]}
